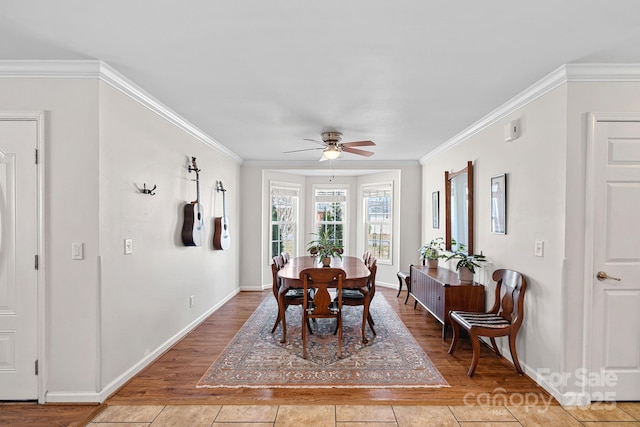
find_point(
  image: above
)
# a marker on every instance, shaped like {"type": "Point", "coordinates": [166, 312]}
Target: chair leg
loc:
{"type": "Point", "coordinates": [371, 323]}
{"type": "Point", "coordinates": [283, 318]}
{"type": "Point", "coordinates": [495, 346]}
{"type": "Point", "coordinates": [305, 320]}
{"type": "Point", "coordinates": [454, 340]}
{"type": "Point", "coordinates": [275, 325]}
{"type": "Point", "coordinates": [475, 343]}
{"type": "Point", "coordinates": [400, 287]}
{"type": "Point", "coordinates": [514, 355]}
{"type": "Point", "coordinates": [408, 292]}
{"type": "Point", "coordinates": [365, 317]}
{"type": "Point", "coordinates": [339, 336]}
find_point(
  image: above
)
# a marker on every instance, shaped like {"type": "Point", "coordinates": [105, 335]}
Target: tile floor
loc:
{"type": "Point", "coordinates": [625, 414]}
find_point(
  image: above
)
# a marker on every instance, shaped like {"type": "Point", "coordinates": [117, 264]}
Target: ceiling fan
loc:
{"type": "Point", "coordinates": [332, 147]}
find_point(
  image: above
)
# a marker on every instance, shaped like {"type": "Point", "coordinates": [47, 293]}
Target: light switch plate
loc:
{"type": "Point", "coordinates": [77, 251]}
{"type": "Point", "coordinates": [539, 248]}
{"type": "Point", "coordinates": [128, 246]}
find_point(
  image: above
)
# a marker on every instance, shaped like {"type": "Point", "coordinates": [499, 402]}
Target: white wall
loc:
{"type": "Point", "coordinates": [535, 165]}
{"type": "Point", "coordinates": [145, 295]}
{"type": "Point", "coordinates": [71, 215]}
{"type": "Point", "coordinates": [108, 315]}
{"type": "Point", "coordinates": [546, 171]}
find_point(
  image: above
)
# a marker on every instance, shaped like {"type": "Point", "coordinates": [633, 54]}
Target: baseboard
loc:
{"type": "Point", "coordinates": [72, 397]}
{"type": "Point", "coordinates": [114, 385]}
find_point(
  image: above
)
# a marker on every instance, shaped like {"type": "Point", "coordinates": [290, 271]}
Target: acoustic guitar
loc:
{"type": "Point", "coordinates": [221, 239]}
{"type": "Point", "coordinates": [193, 226]}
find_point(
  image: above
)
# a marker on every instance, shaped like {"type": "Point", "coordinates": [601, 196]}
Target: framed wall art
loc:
{"type": "Point", "coordinates": [435, 208]}
{"type": "Point", "coordinates": [499, 204]}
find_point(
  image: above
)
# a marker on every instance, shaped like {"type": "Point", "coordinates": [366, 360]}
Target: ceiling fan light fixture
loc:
{"type": "Point", "coordinates": [331, 152]}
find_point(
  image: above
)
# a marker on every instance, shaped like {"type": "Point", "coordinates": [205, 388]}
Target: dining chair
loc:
{"type": "Point", "coordinates": [363, 297]}
{"type": "Point", "coordinates": [321, 304]}
{"type": "Point", "coordinates": [285, 257]}
{"type": "Point", "coordinates": [366, 256]}
{"type": "Point", "coordinates": [504, 318]}
{"type": "Point", "coordinates": [292, 297]}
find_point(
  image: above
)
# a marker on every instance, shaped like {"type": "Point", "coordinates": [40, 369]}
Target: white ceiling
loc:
{"type": "Point", "coordinates": [258, 76]}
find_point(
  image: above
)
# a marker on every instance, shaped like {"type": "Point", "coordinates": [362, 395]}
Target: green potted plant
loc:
{"type": "Point", "coordinates": [432, 252]}
{"type": "Point", "coordinates": [324, 247]}
{"type": "Point", "coordinates": [467, 263]}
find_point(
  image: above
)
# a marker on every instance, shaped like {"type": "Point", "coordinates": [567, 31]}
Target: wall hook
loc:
{"type": "Point", "coordinates": [145, 190]}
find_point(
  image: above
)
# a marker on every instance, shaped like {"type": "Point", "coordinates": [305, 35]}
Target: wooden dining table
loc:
{"type": "Point", "coordinates": [356, 277]}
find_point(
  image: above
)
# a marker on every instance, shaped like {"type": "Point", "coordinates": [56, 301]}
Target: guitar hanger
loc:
{"type": "Point", "coordinates": [149, 191]}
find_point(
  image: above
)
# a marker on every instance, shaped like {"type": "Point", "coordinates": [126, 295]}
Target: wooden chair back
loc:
{"type": "Point", "coordinates": [366, 256]}
{"type": "Point", "coordinates": [509, 296]}
{"type": "Point", "coordinates": [322, 279]}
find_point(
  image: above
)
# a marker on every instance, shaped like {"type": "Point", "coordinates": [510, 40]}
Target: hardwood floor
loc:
{"type": "Point", "coordinates": [171, 378]}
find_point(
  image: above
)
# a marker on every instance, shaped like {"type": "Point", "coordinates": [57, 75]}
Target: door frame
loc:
{"type": "Point", "coordinates": [592, 124]}
{"type": "Point", "coordinates": [39, 118]}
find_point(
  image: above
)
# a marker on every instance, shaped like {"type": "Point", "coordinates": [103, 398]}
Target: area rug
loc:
{"type": "Point", "coordinates": [255, 358]}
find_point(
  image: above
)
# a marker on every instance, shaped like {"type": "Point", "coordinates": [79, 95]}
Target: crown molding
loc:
{"type": "Point", "coordinates": [562, 75]}
{"type": "Point", "coordinates": [379, 165]}
{"type": "Point", "coordinates": [93, 69]}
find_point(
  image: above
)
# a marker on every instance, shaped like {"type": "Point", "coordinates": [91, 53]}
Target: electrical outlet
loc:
{"type": "Point", "coordinates": [191, 301]}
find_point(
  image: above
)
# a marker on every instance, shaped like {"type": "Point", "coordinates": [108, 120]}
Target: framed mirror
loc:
{"type": "Point", "coordinates": [459, 207]}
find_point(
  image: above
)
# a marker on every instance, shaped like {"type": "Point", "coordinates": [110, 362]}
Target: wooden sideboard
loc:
{"type": "Point", "coordinates": [439, 290]}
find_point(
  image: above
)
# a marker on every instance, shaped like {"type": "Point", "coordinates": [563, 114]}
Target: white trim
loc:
{"type": "Point", "coordinates": [368, 166]}
{"type": "Point", "coordinates": [73, 397]}
{"type": "Point", "coordinates": [100, 70]}
{"type": "Point", "coordinates": [39, 118]}
{"type": "Point", "coordinates": [558, 77]}
{"type": "Point", "coordinates": [114, 385]}
{"type": "Point", "coordinates": [589, 239]}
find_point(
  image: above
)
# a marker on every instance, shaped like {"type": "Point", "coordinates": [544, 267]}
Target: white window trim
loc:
{"type": "Point", "coordinates": [363, 188]}
{"type": "Point", "coordinates": [346, 215]}
{"type": "Point", "coordinates": [294, 187]}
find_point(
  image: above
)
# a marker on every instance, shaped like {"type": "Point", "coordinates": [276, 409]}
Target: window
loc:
{"type": "Point", "coordinates": [284, 219]}
{"type": "Point", "coordinates": [331, 209]}
{"type": "Point", "coordinates": [377, 202]}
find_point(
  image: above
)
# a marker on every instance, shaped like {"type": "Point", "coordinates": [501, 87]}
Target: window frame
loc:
{"type": "Point", "coordinates": [345, 210]}
{"type": "Point", "coordinates": [284, 188]}
{"type": "Point", "coordinates": [385, 186]}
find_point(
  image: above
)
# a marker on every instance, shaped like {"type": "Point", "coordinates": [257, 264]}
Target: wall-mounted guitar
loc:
{"type": "Point", "coordinates": [193, 227]}
{"type": "Point", "coordinates": [221, 239]}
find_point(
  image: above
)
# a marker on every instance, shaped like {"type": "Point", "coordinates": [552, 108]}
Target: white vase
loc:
{"type": "Point", "coordinates": [465, 275]}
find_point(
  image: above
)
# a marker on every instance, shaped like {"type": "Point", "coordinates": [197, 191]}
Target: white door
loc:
{"type": "Point", "coordinates": [18, 247]}
{"type": "Point", "coordinates": [615, 341]}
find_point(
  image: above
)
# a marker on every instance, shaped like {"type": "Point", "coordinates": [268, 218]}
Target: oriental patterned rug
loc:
{"type": "Point", "coordinates": [255, 358]}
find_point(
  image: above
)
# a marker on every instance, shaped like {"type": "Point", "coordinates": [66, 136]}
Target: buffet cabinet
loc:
{"type": "Point", "coordinates": [439, 290]}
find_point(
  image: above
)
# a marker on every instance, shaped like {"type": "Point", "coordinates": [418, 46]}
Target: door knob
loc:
{"type": "Point", "coordinates": [603, 276]}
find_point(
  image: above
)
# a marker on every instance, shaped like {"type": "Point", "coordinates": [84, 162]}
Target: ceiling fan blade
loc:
{"type": "Point", "coordinates": [314, 140]}
{"type": "Point", "coordinates": [358, 144]}
{"type": "Point", "coordinates": [358, 152]}
{"type": "Point", "coordinates": [304, 149]}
